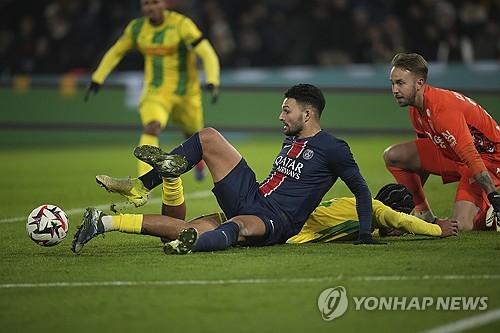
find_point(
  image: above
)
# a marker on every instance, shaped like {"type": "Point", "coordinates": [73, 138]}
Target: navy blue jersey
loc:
{"type": "Point", "coordinates": [305, 170]}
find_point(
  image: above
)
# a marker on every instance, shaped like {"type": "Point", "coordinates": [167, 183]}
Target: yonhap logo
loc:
{"type": "Point", "coordinates": [332, 303]}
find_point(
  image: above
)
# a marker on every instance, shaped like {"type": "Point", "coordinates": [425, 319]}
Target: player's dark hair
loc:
{"type": "Point", "coordinates": [396, 196]}
{"type": "Point", "coordinates": [413, 63]}
{"type": "Point", "coordinates": [309, 95]}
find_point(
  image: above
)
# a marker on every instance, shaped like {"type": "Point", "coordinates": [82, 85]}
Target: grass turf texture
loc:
{"type": "Point", "coordinates": [125, 283]}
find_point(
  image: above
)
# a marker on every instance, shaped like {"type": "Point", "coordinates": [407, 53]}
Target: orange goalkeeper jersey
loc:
{"type": "Point", "coordinates": [452, 120]}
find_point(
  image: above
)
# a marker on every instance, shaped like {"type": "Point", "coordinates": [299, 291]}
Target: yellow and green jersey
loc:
{"type": "Point", "coordinates": [336, 219]}
{"type": "Point", "coordinates": [169, 61]}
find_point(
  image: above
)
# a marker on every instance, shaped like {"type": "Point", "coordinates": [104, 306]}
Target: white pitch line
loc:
{"type": "Point", "coordinates": [426, 277]}
{"type": "Point", "coordinates": [192, 195]}
{"type": "Point", "coordinates": [468, 323]}
{"type": "Point", "coordinates": [338, 278]}
{"type": "Point", "coordinates": [159, 283]}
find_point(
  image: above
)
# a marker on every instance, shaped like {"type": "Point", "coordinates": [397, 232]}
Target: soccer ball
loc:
{"type": "Point", "coordinates": [47, 225]}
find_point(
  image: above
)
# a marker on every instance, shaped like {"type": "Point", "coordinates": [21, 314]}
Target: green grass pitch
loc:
{"type": "Point", "coordinates": [124, 283]}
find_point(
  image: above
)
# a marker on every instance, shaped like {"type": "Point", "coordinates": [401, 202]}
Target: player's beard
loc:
{"type": "Point", "coordinates": [408, 101]}
{"type": "Point", "coordinates": [293, 129]}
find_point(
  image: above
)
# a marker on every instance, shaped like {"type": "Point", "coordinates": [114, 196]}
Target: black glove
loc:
{"type": "Point", "coordinates": [367, 239]}
{"type": "Point", "coordinates": [494, 199]}
{"type": "Point", "coordinates": [92, 88]}
{"type": "Point", "coordinates": [214, 90]}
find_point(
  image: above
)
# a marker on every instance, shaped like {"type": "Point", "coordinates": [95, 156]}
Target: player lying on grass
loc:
{"type": "Point", "coordinates": [336, 220]}
{"type": "Point", "coordinates": [308, 164]}
{"type": "Point", "coordinates": [332, 220]}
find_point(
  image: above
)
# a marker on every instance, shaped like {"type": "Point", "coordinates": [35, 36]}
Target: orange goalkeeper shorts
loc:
{"type": "Point", "coordinates": [433, 162]}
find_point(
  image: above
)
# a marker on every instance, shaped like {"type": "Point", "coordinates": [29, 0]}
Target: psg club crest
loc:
{"type": "Point", "coordinates": [308, 154]}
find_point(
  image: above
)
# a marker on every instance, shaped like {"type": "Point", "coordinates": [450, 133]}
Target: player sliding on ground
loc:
{"type": "Point", "coordinates": [332, 220]}
{"type": "Point", "coordinates": [309, 163]}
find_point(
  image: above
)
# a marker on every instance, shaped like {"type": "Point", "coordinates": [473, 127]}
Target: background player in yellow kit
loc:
{"type": "Point", "coordinates": [170, 43]}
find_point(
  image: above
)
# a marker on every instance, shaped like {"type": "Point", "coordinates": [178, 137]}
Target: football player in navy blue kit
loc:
{"type": "Point", "coordinates": [259, 214]}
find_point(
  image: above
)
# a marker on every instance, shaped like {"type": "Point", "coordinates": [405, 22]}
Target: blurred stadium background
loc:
{"type": "Point", "coordinates": [48, 48]}
{"type": "Point", "coordinates": [58, 36]}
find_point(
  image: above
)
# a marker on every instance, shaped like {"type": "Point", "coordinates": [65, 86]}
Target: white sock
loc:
{"type": "Point", "coordinates": [108, 223]}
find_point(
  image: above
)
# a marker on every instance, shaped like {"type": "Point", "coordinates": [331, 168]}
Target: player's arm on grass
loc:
{"type": "Point", "coordinates": [365, 222]}
{"type": "Point", "coordinates": [389, 218]}
{"type": "Point", "coordinates": [343, 162]}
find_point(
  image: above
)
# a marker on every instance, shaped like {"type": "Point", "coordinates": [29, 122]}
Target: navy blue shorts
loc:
{"type": "Point", "coordinates": [238, 194]}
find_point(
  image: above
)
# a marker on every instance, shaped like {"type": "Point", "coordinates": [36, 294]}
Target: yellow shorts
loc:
{"type": "Point", "coordinates": [185, 110]}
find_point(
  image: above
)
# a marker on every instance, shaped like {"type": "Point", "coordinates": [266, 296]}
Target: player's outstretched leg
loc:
{"type": "Point", "coordinates": [91, 226]}
{"type": "Point", "coordinates": [169, 166]}
{"type": "Point", "coordinates": [183, 244]}
{"type": "Point", "coordinates": [131, 188]}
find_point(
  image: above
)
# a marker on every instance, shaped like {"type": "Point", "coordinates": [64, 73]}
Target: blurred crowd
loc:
{"type": "Point", "coordinates": [57, 36]}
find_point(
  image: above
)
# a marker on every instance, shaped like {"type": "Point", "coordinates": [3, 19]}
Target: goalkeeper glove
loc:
{"type": "Point", "coordinates": [367, 239]}
{"type": "Point", "coordinates": [92, 88]}
{"type": "Point", "coordinates": [494, 199]}
{"type": "Point", "coordinates": [214, 90]}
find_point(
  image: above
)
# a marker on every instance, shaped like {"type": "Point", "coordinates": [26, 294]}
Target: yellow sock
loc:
{"type": "Point", "coordinates": [128, 223]}
{"type": "Point", "coordinates": [172, 192]}
{"type": "Point", "coordinates": [151, 140]}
